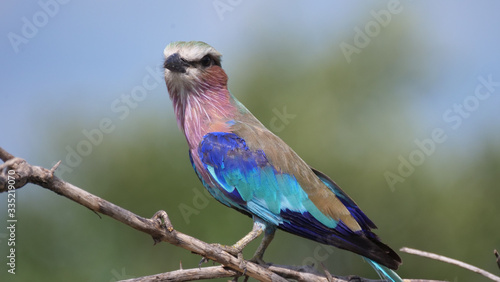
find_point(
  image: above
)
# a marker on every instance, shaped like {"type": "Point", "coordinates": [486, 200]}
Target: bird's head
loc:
{"type": "Point", "coordinates": [192, 67]}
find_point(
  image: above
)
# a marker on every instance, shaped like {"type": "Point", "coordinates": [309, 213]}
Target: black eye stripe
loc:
{"type": "Point", "coordinates": [205, 62]}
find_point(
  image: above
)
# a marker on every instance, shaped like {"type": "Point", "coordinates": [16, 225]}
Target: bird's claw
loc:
{"type": "Point", "coordinates": [202, 261]}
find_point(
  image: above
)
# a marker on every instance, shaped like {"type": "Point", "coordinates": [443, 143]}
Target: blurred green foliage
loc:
{"type": "Point", "coordinates": [352, 121]}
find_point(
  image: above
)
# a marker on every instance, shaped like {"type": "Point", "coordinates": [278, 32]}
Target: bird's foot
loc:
{"type": "Point", "coordinates": [202, 261]}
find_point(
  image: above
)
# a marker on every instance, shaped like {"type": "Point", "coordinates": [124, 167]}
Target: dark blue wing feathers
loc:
{"type": "Point", "coordinates": [353, 208]}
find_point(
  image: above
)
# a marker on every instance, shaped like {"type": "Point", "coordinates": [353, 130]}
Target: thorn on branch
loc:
{"type": "Point", "coordinates": [100, 217]}
{"type": "Point", "coordinates": [53, 169]}
{"type": "Point", "coordinates": [498, 257]}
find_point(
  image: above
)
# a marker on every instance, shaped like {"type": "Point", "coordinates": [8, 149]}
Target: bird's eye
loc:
{"type": "Point", "coordinates": [206, 61]}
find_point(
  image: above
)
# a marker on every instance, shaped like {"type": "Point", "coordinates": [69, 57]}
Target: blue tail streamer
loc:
{"type": "Point", "coordinates": [384, 272]}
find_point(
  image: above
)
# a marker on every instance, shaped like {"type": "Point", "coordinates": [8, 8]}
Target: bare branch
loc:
{"type": "Point", "coordinates": [159, 227]}
{"type": "Point", "coordinates": [451, 261]}
{"type": "Point", "coordinates": [221, 271]}
{"type": "Point", "coordinates": [295, 273]}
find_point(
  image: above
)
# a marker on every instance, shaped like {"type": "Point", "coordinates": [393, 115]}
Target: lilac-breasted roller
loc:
{"type": "Point", "coordinates": [248, 168]}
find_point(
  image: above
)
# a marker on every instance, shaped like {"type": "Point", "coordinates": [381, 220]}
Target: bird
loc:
{"type": "Point", "coordinates": [247, 167]}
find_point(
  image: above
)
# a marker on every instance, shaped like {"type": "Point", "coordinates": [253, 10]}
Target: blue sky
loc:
{"type": "Point", "coordinates": [103, 48]}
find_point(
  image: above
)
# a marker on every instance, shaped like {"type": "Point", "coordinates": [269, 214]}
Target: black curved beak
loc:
{"type": "Point", "coordinates": [175, 63]}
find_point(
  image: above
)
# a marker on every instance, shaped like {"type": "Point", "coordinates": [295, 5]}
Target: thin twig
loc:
{"type": "Point", "coordinates": [4, 155]}
{"type": "Point", "coordinates": [451, 261]}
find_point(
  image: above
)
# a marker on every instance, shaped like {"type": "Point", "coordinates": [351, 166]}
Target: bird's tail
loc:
{"type": "Point", "coordinates": [384, 272]}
